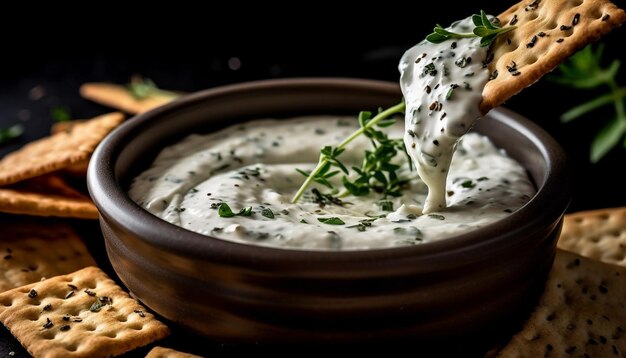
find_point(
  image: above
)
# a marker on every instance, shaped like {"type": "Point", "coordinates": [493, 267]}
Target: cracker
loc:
{"type": "Point", "coordinates": [58, 151]}
{"type": "Point", "coordinates": [83, 314]}
{"type": "Point", "coordinates": [65, 126]}
{"type": "Point", "coordinates": [118, 97]}
{"type": "Point", "coordinates": [538, 44]}
{"type": "Point", "coordinates": [47, 195]}
{"type": "Point", "coordinates": [31, 251]}
{"type": "Point", "coordinates": [598, 234]}
{"type": "Point", "coordinates": [79, 169]}
{"type": "Point", "coordinates": [582, 312]}
{"type": "Point", "coordinates": [161, 352]}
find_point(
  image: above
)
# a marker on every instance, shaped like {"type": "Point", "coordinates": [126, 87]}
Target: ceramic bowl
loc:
{"type": "Point", "coordinates": [475, 284]}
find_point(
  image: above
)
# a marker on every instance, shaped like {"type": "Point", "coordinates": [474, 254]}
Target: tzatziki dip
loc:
{"type": "Point", "coordinates": [251, 167]}
{"type": "Point", "coordinates": [245, 183]}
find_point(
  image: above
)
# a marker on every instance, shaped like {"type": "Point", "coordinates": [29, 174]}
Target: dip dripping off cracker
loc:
{"type": "Point", "coordinates": [162, 352]}
{"type": "Point", "coordinates": [582, 312]}
{"type": "Point", "coordinates": [46, 195]}
{"type": "Point", "coordinates": [58, 151]}
{"type": "Point", "coordinates": [547, 33]}
{"type": "Point", "coordinates": [33, 250]}
{"type": "Point", "coordinates": [83, 314]}
{"type": "Point", "coordinates": [119, 97]}
{"type": "Point", "coordinates": [597, 234]}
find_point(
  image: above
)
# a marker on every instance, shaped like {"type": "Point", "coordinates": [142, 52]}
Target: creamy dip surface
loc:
{"type": "Point", "coordinates": [252, 166]}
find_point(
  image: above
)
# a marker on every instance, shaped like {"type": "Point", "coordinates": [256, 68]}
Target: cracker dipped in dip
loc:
{"type": "Point", "coordinates": [245, 183]}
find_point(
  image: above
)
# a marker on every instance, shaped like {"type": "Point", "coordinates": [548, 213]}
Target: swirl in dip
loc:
{"type": "Point", "coordinates": [254, 165]}
{"type": "Point", "coordinates": [237, 184]}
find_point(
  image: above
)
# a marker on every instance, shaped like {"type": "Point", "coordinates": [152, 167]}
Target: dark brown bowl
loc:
{"type": "Point", "coordinates": [473, 284]}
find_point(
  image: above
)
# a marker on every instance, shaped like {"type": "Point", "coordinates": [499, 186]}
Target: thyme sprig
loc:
{"type": "Point", "coordinates": [487, 30]}
{"type": "Point", "coordinates": [329, 155]}
{"type": "Point", "coordinates": [585, 71]}
{"type": "Point", "coordinates": [143, 88]}
{"type": "Point", "coordinates": [377, 172]}
{"type": "Point", "coordinates": [11, 133]}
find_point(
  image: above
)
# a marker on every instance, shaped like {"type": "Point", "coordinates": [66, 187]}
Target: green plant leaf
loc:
{"type": "Point", "coordinates": [13, 132]}
{"type": "Point", "coordinates": [608, 137]}
{"type": "Point", "coordinates": [225, 211]}
{"type": "Point", "coordinates": [476, 19]}
{"type": "Point", "coordinates": [595, 103]}
{"type": "Point", "coordinates": [331, 221]}
{"type": "Point", "coordinates": [268, 213]}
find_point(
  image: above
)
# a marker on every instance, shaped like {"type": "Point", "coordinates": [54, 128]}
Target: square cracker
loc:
{"type": "Point", "coordinates": [598, 234]}
{"type": "Point", "coordinates": [33, 250]}
{"type": "Point", "coordinates": [118, 97]}
{"type": "Point", "coordinates": [547, 33]}
{"type": "Point", "coordinates": [161, 352]}
{"type": "Point", "coordinates": [57, 151]}
{"type": "Point", "coordinates": [83, 314]}
{"type": "Point", "coordinates": [582, 312]}
{"type": "Point", "coordinates": [47, 195]}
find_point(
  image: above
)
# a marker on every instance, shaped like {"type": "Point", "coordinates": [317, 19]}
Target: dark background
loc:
{"type": "Point", "coordinates": [187, 49]}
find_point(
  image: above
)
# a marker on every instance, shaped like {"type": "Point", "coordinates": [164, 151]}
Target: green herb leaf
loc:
{"type": "Point", "coordinates": [595, 103]}
{"type": "Point", "coordinates": [143, 88]}
{"type": "Point", "coordinates": [225, 211]}
{"type": "Point", "coordinates": [331, 221]}
{"type": "Point", "coordinates": [100, 302]}
{"type": "Point", "coordinates": [13, 132]}
{"type": "Point", "coordinates": [267, 212]}
{"type": "Point", "coordinates": [487, 30]}
{"type": "Point", "coordinates": [247, 211]}
{"type": "Point", "coordinates": [329, 157]}
{"type": "Point", "coordinates": [436, 216]}
{"type": "Point", "coordinates": [385, 205]}
{"type": "Point", "coordinates": [584, 71]}
{"type": "Point", "coordinates": [60, 114]}
{"type": "Point", "coordinates": [468, 184]}
{"type": "Point", "coordinates": [608, 137]}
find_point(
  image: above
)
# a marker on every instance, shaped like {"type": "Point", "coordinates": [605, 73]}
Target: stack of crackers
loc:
{"type": "Point", "coordinates": [53, 298]}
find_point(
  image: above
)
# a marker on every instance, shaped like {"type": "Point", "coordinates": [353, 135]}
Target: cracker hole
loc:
{"type": "Point", "coordinates": [90, 285]}
{"type": "Point", "coordinates": [136, 326]}
{"type": "Point", "coordinates": [48, 335]}
{"type": "Point", "coordinates": [111, 334]}
{"type": "Point", "coordinates": [32, 316]}
{"type": "Point", "coordinates": [577, 2]}
{"type": "Point", "coordinates": [596, 14]}
{"type": "Point", "coordinates": [531, 59]}
{"type": "Point", "coordinates": [72, 347]}
{"type": "Point", "coordinates": [122, 319]}
{"type": "Point", "coordinates": [604, 217]}
{"type": "Point", "coordinates": [89, 327]}
{"type": "Point", "coordinates": [532, 15]}
{"type": "Point", "coordinates": [7, 302]}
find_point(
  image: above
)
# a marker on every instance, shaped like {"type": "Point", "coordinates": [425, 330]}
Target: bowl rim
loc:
{"type": "Point", "coordinates": [109, 195]}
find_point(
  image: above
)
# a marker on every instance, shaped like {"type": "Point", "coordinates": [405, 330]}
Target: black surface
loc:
{"type": "Point", "coordinates": [188, 49]}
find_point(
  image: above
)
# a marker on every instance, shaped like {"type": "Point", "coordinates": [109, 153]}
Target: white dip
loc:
{"type": "Point", "coordinates": [253, 165]}
{"type": "Point", "coordinates": [442, 86]}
